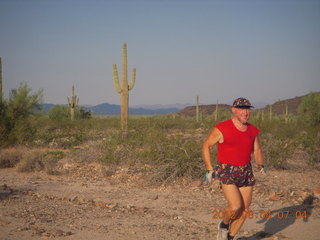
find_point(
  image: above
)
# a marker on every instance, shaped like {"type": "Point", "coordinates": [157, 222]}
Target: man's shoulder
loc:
{"type": "Point", "coordinates": [223, 123]}
{"type": "Point", "coordinates": [251, 126]}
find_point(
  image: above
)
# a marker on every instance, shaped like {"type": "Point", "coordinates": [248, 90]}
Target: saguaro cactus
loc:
{"type": "Point", "coordinates": [197, 110]}
{"type": "Point", "coordinates": [270, 112]}
{"type": "Point", "coordinates": [73, 103]}
{"type": "Point", "coordinates": [286, 114]}
{"type": "Point", "coordinates": [216, 112]}
{"type": "Point", "coordinates": [0, 80]}
{"type": "Point", "coordinates": [124, 89]}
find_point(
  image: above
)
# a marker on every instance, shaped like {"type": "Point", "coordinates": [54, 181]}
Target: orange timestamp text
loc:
{"type": "Point", "coordinates": [262, 214]}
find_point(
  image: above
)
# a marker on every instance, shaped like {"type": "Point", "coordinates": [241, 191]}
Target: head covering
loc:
{"type": "Point", "coordinates": [242, 103]}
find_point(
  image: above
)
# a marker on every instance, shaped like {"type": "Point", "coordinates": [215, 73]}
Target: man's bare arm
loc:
{"type": "Point", "coordinates": [214, 136]}
{"type": "Point", "coordinates": [258, 156]}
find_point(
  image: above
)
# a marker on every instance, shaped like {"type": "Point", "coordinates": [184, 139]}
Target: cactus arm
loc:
{"type": "Point", "coordinates": [133, 79]}
{"type": "Point", "coordinates": [116, 79]}
{"type": "Point", "coordinates": [68, 101]}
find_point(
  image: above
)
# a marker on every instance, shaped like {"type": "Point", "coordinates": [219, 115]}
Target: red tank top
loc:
{"type": "Point", "coordinates": [237, 146]}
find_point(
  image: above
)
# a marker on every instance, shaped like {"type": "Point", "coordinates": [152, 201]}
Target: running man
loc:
{"type": "Point", "coordinates": [237, 140]}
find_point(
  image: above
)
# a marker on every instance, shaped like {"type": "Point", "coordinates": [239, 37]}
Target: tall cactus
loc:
{"type": "Point", "coordinates": [197, 110]}
{"type": "Point", "coordinates": [270, 112]}
{"type": "Point", "coordinates": [286, 114]}
{"type": "Point", "coordinates": [73, 103]}
{"type": "Point", "coordinates": [216, 112]}
{"type": "Point", "coordinates": [0, 80]}
{"type": "Point", "coordinates": [124, 89]}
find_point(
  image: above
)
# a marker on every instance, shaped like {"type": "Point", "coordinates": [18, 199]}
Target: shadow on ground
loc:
{"type": "Point", "coordinates": [282, 218]}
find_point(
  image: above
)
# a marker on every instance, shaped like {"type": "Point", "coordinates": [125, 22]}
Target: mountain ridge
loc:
{"type": "Point", "coordinates": [114, 109]}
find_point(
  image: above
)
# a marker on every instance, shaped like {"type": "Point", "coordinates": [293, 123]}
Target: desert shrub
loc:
{"type": "Point", "coordinates": [38, 160]}
{"type": "Point", "coordinates": [84, 113]}
{"type": "Point", "coordinates": [59, 112]}
{"type": "Point", "coordinates": [118, 150]}
{"type": "Point", "coordinates": [62, 112]}
{"type": "Point", "coordinates": [175, 157]}
{"type": "Point", "coordinates": [23, 130]}
{"type": "Point", "coordinates": [310, 143]}
{"type": "Point", "coordinates": [50, 159]}
{"type": "Point", "coordinates": [10, 157]}
{"type": "Point", "coordinates": [309, 109]}
{"type": "Point", "coordinates": [19, 112]}
{"type": "Point", "coordinates": [276, 151]}
{"type": "Point", "coordinates": [31, 161]}
{"type": "Point", "coordinates": [4, 122]}
{"type": "Point", "coordinates": [169, 155]}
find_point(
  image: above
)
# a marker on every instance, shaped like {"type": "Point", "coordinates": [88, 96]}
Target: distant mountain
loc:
{"type": "Point", "coordinates": [113, 109]}
{"type": "Point", "coordinates": [190, 111]}
{"type": "Point", "coordinates": [46, 107]}
{"type": "Point", "coordinates": [161, 106]}
{"type": "Point", "coordinates": [105, 109]}
{"type": "Point", "coordinates": [278, 107]}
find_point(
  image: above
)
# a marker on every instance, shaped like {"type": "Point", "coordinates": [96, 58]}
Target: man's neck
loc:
{"type": "Point", "coordinates": [240, 125]}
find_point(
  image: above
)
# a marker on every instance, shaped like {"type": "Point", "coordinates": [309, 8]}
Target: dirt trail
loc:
{"type": "Point", "coordinates": [84, 204]}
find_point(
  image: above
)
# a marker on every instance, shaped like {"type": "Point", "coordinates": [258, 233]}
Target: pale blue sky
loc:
{"type": "Point", "coordinates": [261, 49]}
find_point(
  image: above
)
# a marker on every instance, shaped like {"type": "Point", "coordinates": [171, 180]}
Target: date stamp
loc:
{"type": "Point", "coordinates": [262, 214]}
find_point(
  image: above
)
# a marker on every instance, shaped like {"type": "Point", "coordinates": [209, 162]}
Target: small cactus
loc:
{"type": "Point", "coordinates": [124, 89]}
{"type": "Point", "coordinates": [73, 103]}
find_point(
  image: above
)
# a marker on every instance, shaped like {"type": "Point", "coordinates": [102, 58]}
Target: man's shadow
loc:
{"type": "Point", "coordinates": [282, 218]}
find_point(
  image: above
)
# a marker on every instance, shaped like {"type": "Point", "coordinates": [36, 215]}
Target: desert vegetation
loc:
{"type": "Point", "coordinates": [163, 148]}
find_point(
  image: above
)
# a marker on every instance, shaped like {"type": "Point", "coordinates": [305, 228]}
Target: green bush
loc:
{"type": "Point", "coordinates": [59, 113]}
{"type": "Point", "coordinates": [169, 154]}
{"type": "Point", "coordinates": [310, 144]}
{"type": "Point", "coordinates": [309, 109]}
{"type": "Point", "coordinates": [276, 150]}
{"type": "Point", "coordinates": [18, 115]}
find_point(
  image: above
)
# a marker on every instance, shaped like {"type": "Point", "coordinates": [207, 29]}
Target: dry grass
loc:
{"type": "Point", "coordinates": [31, 161]}
{"type": "Point", "coordinates": [11, 156]}
{"type": "Point", "coordinates": [40, 160]}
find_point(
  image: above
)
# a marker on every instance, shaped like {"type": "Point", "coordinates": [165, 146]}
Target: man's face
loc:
{"type": "Point", "coordinates": [242, 114]}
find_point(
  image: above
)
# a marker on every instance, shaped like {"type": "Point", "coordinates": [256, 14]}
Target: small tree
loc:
{"type": "Point", "coordinates": [19, 110]}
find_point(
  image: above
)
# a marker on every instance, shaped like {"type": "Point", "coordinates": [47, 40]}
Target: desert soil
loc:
{"type": "Point", "coordinates": [90, 202]}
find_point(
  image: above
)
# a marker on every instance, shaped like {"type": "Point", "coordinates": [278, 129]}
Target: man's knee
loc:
{"type": "Point", "coordinates": [237, 210]}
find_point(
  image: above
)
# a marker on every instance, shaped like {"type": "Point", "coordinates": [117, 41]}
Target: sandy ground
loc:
{"type": "Point", "coordinates": [86, 204]}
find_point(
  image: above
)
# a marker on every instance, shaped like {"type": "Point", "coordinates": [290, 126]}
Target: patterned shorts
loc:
{"type": "Point", "coordinates": [241, 176]}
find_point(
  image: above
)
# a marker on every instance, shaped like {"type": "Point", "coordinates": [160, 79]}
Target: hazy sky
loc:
{"type": "Point", "coordinates": [261, 49]}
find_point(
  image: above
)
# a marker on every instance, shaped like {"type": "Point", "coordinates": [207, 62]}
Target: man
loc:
{"type": "Point", "coordinates": [237, 140]}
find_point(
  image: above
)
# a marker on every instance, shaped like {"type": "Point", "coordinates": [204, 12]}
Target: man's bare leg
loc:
{"type": "Point", "coordinates": [246, 194]}
{"type": "Point", "coordinates": [238, 200]}
{"type": "Point", "coordinates": [235, 203]}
